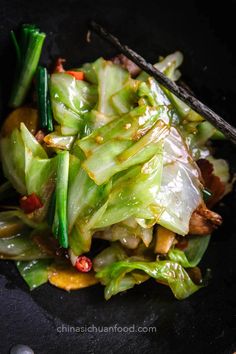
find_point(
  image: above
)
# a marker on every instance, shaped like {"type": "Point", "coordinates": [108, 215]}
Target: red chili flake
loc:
{"type": "Point", "coordinates": [30, 203]}
{"type": "Point", "coordinates": [83, 264]}
{"type": "Point", "coordinates": [78, 75]}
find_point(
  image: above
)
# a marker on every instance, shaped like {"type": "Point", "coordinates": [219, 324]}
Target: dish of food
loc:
{"type": "Point", "coordinates": [115, 178]}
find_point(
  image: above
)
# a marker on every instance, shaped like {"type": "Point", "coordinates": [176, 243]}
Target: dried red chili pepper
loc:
{"type": "Point", "coordinates": [30, 203]}
{"type": "Point", "coordinates": [78, 75]}
{"type": "Point", "coordinates": [83, 264]}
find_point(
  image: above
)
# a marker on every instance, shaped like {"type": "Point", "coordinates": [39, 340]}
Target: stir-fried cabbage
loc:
{"type": "Point", "coordinates": [120, 161]}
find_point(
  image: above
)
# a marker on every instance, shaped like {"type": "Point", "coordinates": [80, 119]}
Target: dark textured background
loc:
{"type": "Point", "coordinates": [204, 323]}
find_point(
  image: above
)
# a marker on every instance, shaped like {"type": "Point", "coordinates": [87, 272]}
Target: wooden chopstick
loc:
{"type": "Point", "coordinates": [227, 129]}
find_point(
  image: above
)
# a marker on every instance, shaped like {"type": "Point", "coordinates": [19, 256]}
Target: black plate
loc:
{"type": "Point", "coordinates": [204, 323]}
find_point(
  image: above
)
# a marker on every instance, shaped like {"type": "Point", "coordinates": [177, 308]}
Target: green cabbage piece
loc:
{"type": "Point", "coordinates": [115, 252]}
{"type": "Point", "coordinates": [109, 256]}
{"type": "Point", "coordinates": [153, 95]}
{"type": "Point", "coordinates": [84, 196]}
{"type": "Point", "coordinates": [13, 160]}
{"type": "Point", "coordinates": [114, 276]}
{"type": "Point", "coordinates": [17, 215]}
{"type": "Point", "coordinates": [20, 247]}
{"type": "Point", "coordinates": [192, 254]}
{"type": "Point", "coordinates": [169, 67]}
{"type": "Point", "coordinates": [31, 144]}
{"type": "Point", "coordinates": [128, 232]}
{"type": "Point", "coordinates": [27, 166]}
{"type": "Point", "coordinates": [40, 176]}
{"type": "Point", "coordinates": [180, 191]}
{"type": "Point", "coordinates": [126, 98]}
{"type": "Point", "coordinates": [168, 64]}
{"type": "Point", "coordinates": [89, 72]}
{"type": "Point", "coordinates": [35, 272]}
{"type": "Point", "coordinates": [71, 99]}
{"type": "Point", "coordinates": [85, 206]}
{"type": "Point", "coordinates": [133, 190]}
{"type": "Point", "coordinates": [152, 91]}
{"type": "Point", "coordinates": [111, 78]}
{"type": "Point", "coordinates": [122, 143]}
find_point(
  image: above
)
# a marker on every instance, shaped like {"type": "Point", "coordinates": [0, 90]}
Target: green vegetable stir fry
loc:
{"type": "Point", "coordinates": [111, 175]}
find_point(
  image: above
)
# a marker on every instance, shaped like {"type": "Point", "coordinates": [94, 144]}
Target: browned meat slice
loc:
{"type": "Point", "coordinates": [203, 221]}
{"type": "Point", "coordinates": [211, 182]}
{"type": "Point", "coordinates": [126, 63]}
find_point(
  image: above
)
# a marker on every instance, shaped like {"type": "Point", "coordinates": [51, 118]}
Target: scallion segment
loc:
{"type": "Point", "coordinates": [28, 51]}
{"type": "Point", "coordinates": [206, 194]}
{"type": "Point", "coordinates": [60, 225]}
{"type": "Point", "coordinates": [49, 113]}
{"type": "Point", "coordinates": [42, 90]}
{"type": "Point", "coordinates": [44, 105]}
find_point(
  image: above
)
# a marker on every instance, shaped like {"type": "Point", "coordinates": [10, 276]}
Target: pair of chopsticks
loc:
{"type": "Point", "coordinates": [227, 129]}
